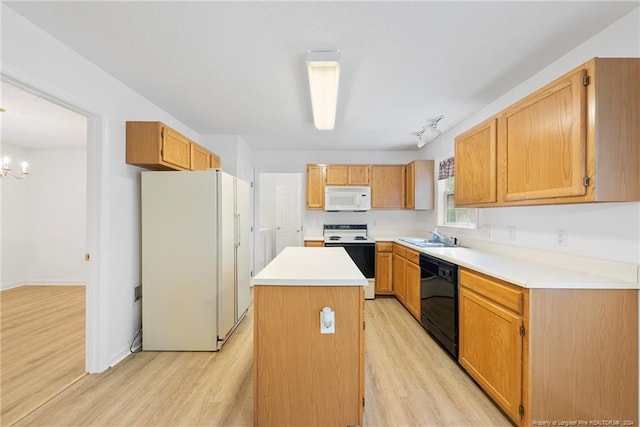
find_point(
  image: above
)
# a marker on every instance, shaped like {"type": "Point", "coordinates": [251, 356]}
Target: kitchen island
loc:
{"type": "Point", "coordinates": [308, 370]}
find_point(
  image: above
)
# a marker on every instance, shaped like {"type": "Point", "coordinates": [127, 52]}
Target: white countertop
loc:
{"type": "Point", "coordinates": [305, 266]}
{"type": "Point", "coordinates": [525, 273]}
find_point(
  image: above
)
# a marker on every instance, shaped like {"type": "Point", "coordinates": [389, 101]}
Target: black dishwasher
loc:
{"type": "Point", "coordinates": [439, 301]}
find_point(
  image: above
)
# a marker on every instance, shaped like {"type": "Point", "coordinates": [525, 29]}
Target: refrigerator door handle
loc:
{"type": "Point", "coordinates": [238, 230]}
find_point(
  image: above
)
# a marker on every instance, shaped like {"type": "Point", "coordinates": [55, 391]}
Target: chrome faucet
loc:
{"type": "Point", "coordinates": [439, 237]}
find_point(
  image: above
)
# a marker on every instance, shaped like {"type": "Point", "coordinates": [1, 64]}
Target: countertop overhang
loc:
{"type": "Point", "coordinates": [307, 266]}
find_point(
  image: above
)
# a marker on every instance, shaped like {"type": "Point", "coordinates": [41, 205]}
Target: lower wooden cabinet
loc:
{"type": "Point", "coordinates": [384, 268]}
{"type": "Point", "coordinates": [399, 278]}
{"type": "Point", "coordinates": [551, 355]}
{"type": "Point", "coordinates": [406, 278]}
{"type": "Point", "coordinates": [314, 243]}
{"type": "Point", "coordinates": [412, 276]}
{"type": "Point", "coordinates": [491, 342]}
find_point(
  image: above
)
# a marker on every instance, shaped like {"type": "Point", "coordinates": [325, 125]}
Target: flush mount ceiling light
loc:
{"type": "Point", "coordinates": [323, 68]}
{"type": "Point", "coordinates": [429, 132]}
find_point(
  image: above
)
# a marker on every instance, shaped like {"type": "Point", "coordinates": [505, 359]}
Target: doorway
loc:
{"type": "Point", "coordinates": [43, 238]}
{"type": "Point", "coordinates": [278, 215]}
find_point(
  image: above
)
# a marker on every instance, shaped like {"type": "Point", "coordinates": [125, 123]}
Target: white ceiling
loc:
{"type": "Point", "coordinates": [32, 122]}
{"type": "Point", "coordinates": [238, 67]}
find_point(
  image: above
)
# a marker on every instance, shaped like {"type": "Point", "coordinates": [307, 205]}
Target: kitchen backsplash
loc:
{"type": "Point", "coordinates": [380, 222]}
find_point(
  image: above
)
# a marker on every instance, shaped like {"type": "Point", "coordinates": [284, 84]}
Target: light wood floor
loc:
{"type": "Point", "coordinates": [42, 346]}
{"type": "Point", "coordinates": [409, 382]}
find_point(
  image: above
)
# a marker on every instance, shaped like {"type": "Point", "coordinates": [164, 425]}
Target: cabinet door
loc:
{"type": "Point", "coordinates": [315, 186]}
{"type": "Point", "coordinates": [387, 186]}
{"type": "Point", "coordinates": [200, 158]}
{"type": "Point", "coordinates": [215, 161]}
{"type": "Point", "coordinates": [545, 142]}
{"type": "Point", "coordinates": [176, 149]}
{"type": "Point", "coordinates": [412, 278]}
{"type": "Point", "coordinates": [337, 175]}
{"type": "Point", "coordinates": [358, 175]}
{"type": "Point", "coordinates": [410, 185]}
{"type": "Point", "coordinates": [399, 278]}
{"type": "Point", "coordinates": [491, 349]}
{"type": "Point", "coordinates": [476, 162]}
{"type": "Point", "coordinates": [314, 243]}
{"type": "Point", "coordinates": [384, 273]}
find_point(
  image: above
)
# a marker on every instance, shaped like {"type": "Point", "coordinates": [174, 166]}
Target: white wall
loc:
{"type": "Point", "coordinates": [57, 219]}
{"type": "Point", "coordinates": [236, 157]}
{"type": "Point", "coordinates": [44, 218]}
{"type": "Point", "coordinates": [34, 58]}
{"type": "Point", "coordinates": [608, 230]}
{"type": "Point", "coordinates": [15, 205]}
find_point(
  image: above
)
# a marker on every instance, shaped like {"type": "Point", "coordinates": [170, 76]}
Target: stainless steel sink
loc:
{"type": "Point", "coordinates": [423, 243]}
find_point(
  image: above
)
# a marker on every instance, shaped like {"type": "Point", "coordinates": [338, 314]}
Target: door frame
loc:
{"type": "Point", "coordinates": [96, 303]}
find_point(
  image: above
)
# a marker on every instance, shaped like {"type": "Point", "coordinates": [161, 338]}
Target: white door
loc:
{"type": "Point", "coordinates": [288, 217]}
{"type": "Point", "coordinates": [243, 236]}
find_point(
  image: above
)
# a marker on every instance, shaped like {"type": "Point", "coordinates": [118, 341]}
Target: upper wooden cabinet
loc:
{"type": "Point", "coordinates": [387, 186]}
{"type": "Point", "coordinates": [315, 186]}
{"type": "Point", "coordinates": [419, 185]}
{"type": "Point", "coordinates": [155, 146]}
{"type": "Point", "coordinates": [202, 159]}
{"type": "Point", "coordinates": [476, 165]}
{"type": "Point", "coordinates": [575, 140]}
{"type": "Point", "coordinates": [348, 175]}
{"type": "Point", "coordinates": [359, 175]}
{"type": "Point", "coordinates": [545, 141]}
{"type": "Point", "coordinates": [392, 186]}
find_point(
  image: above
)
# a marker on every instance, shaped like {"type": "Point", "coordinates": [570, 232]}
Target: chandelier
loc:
{"type": "Point", "coordinates": [6, 169]}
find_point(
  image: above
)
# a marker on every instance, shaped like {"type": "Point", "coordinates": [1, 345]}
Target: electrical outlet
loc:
{"type": "Point", "coordinates": [485, 230]}
{"type": "Point", "coordinates": [137, 293]}
{"type": "Point", "coordinates": [511, 230]}
{"type": "Point", "coordinates": [327, 321]}
{"type": "Point", "coordinates": [561, 238]}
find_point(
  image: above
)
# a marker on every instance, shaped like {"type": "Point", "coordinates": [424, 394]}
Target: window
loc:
{"type": "Point", "coordinates": [448, 214]}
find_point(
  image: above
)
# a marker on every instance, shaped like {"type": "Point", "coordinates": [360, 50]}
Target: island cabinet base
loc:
{"type": "Point", "coordinates": [303, 377]}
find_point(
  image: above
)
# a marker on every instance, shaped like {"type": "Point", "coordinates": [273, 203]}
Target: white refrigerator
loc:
{"type": "Point", "coordinates": [195, 259]}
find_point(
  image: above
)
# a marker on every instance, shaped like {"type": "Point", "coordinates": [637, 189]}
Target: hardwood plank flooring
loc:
{"type": "Point", "coordinates": [409, 382]}
{"type": "Point", "coordinates": [42, 345]}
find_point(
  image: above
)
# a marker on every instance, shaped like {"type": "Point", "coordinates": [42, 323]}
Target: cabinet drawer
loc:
{"type": "Point", "coordinates": [399, 250]}
{"type": "Point", "coordinates": [384, 246]}
{"type": "Point", "coordinates": [412, 256]}
{"type": "Point", "coordinates": [508, 295]}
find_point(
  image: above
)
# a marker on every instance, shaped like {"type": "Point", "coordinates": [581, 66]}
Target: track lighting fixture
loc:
{"type": "Point", "coordinates": [429, 132]}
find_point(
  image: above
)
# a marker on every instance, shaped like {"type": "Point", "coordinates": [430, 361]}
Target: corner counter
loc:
{"type": "Point", "coordinates": [300, 375]}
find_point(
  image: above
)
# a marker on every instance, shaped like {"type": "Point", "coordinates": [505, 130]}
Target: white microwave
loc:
{"type": "Point", "coordinates": [347, 198]}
